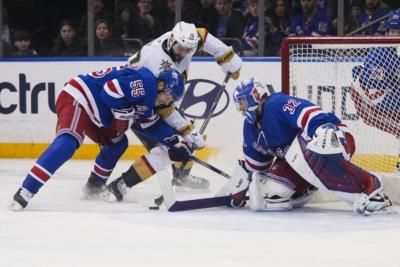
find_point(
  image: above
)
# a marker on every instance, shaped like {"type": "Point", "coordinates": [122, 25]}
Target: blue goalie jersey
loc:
{"type": "Point", "coordinates": [283, 117]}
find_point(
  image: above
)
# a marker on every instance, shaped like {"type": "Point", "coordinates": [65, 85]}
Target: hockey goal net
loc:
{"type": "Point", "coordinates": [358, 79]}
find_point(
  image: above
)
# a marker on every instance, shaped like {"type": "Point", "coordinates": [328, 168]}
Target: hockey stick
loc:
{"type": "Point", "coordinates": [192, 157]}
{"type": "Point", "coordinates": [160, 199]}
{"type": "Point", "coordinates": [174, 205]}
{"type": "Point", "coordinates": [209, 116]}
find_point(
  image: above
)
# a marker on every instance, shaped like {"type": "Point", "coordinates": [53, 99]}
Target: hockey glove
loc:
{"type": "Point", "coordinates": [180, 152]}
{"type": "Point", "coordinates": [230, 62]}
{"type": "Point", "coordinates": [122, 118]}
{"type": "Point", "coordinates": [195, 139]}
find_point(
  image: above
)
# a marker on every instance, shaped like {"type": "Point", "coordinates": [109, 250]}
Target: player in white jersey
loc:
{"type": "Point", "coordinates": [175, 50]}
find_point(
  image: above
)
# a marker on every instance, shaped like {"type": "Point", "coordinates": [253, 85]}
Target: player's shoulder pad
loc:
{"type": "Point", "coordinates": [203, 32]}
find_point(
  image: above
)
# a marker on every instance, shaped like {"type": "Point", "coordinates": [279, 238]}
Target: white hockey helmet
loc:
{"type": "Point", "coordinates": [183, 40]}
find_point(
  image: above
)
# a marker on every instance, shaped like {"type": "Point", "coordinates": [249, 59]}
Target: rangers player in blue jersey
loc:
{"type": "Point", "coordinates": [102, 105]}
{"type": "Point", "coordinates": [311, 148]}
{"type": "Point", "coordinates": [376, 84]}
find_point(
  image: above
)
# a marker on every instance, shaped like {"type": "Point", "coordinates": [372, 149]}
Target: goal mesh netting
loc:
{"type": "Point", "coordinates": [359, 80]}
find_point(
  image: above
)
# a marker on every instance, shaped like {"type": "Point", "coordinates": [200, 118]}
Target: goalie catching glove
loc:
{"type": "Point", "coordinates": [329, 139]}
{"type": "Point", "coordinates": [230, 62]}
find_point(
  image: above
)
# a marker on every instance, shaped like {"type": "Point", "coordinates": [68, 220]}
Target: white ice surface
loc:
{"type": "Point", "coordinates": [58, 228]}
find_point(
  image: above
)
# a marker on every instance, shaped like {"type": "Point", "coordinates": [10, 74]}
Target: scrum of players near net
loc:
{"type": "Point", "coordinates": [102, 104]}
{"type": "Point", "coordinates": [291, 147]}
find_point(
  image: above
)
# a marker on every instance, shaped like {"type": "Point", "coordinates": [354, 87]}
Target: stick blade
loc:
{"type": "Point", "coordinates": [201, 203]}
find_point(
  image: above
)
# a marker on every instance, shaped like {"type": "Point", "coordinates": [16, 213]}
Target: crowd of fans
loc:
{"type": "Point", "coordinates": [51, 28]}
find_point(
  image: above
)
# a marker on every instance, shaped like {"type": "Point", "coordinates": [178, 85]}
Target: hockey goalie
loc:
{"type": "Point", "coordinates": [291, 148]}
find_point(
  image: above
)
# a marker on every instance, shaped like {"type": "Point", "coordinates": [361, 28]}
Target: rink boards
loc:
{"type": "Point", "coordinates": [28, 90]}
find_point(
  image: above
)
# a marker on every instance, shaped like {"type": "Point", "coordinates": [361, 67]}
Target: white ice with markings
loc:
{"type": "Point", "coordinates": [58, 228]}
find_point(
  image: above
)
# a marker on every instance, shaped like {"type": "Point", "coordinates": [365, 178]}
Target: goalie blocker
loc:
{"type": "Point", "coordinates": [324, 163]}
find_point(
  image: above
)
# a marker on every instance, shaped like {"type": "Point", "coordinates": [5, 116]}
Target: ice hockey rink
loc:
{"type": "Point", "coordinates": [59, 228]}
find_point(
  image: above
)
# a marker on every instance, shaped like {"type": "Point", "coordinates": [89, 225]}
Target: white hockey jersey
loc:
{"type": "Point", "coordinates": [154, 57]}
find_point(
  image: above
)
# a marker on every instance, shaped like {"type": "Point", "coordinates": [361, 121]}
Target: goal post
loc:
{"type": "Point", "coordinates": [357, 78]}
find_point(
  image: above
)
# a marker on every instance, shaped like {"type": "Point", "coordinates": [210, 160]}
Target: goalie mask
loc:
{"type": "Point", "coordinates": [247, 96]}
{"type": "Point", "coordinates": [183, 40]}
{"type": "Point", "coordinates": [171, 82]}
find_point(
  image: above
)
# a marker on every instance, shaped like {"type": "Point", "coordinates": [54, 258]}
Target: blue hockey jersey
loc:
{"type": "Point", "coordinates": [123, 87]}
{"type": "Point", "coordinates": [283, 117]}
{"type": "Point", "coordinates": [380, 77]}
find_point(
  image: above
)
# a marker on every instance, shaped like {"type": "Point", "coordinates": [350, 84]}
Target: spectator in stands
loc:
{"type": "Point", "coordinates": [8, 30]}
{"type": "Point", "coordinates": [312, 21]}
{"type": "Point", "coordinates": [147, 25]}
{"type": "Point", "coordinates": [230, 23]}
{"type": "Point", "coordinates": [353, 20]}
{"type": "Point", "coordinates": [166, 15]}
{"type": "Point", "coordinates": [200, 12]}
{"type": "Point", "coordinates": [99, 12]}
{"type": "Point", "coordinates": [250, 33]}
{"type": "Point", "coordinates": [329, 6]}
{"type": "Point", "coordinates": [276, 27]}
{"type": "Point", "coordinates": [105, 43]}
{"type": "Point", "coordinates": [374, 9]}
{"type": "Point", "coordinates": [22, 42]}
{"type": "Point", "coordinates": [124, 21]}
{"type": "Point", "coordinates": [67, 43]}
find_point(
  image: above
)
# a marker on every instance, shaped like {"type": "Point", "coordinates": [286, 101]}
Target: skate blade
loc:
{"type": "Point", "coordinates": [108, 196]}
{"type": "Point", "coordinates": [15, 206]}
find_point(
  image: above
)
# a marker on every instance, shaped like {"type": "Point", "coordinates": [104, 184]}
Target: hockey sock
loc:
{"type": "Point", "coordinates": [108, 158]}
{"type": "Point", "coordinates": [61, 150]}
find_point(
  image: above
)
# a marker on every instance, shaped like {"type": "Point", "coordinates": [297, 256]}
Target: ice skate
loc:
{"type": "Point", "coordinates": [115, 191]}
{"type": "Point", "coordinates": [20, 199]}
{"type": "Point", "coordinates": [191, 183]}
{"type": "Point", "coordinates": [376, 203]}
{"type": "Point", "coordinates": [93, 188]}
{"type": "Point", "coordinates": [185, 182]}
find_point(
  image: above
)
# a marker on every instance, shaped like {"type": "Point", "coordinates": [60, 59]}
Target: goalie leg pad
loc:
{"type": "Point", "coordinates": [269, 194]}
{"type": "Point", "coordinates": [330, 172]}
